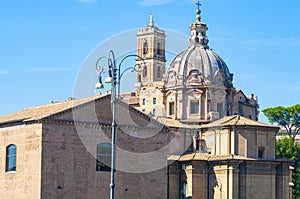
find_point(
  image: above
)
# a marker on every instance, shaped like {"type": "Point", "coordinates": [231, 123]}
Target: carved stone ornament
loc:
{"type": "Point", "coordinates": [195, 77]}
{"type": "Point", "coordinates": [219, 78]}
{"type": "Point", "coordinates": [171, 78]}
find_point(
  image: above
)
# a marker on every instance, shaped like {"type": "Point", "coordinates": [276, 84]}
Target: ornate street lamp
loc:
{"type": "Point", "coordinates": [114, 79]}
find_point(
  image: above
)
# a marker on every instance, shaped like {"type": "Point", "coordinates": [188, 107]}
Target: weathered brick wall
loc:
{"type": "Point", "coordinates": [25, 181]}
{"type": "Point", "coordinates": [69, 164]}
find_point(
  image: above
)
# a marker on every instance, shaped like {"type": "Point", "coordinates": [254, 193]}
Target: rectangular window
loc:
{"type": "Point", "coordinates": [154, 111]}
{"type": "Point", "coordinates": [194, 107]}
{"type": "Point", "coordinates": [171, 108]}
{"type": "Point", "coordinates": [103, 157]}
{"type": "Point", "coordinates": [220, 110]}
{"type": "Point", "coordinates": [241, 109]}
{"type": "Point", "coordinates": [184, 190]}
{"type": "Point", "coordinates": [144, 101]}
{"type": "Point", "coordinates": [183, 167]}
{"type": "Point", "coordinates": [208, 96]}
{"type": "Point", "coordinates": [154, 100]}
{"type": "Point", "coordinates": [261, 151]}
{"type": "Point", "coordinates": [158, 72]}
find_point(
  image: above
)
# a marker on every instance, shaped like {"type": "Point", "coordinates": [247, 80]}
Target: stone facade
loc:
{"type": "Point", "coordinates": [69, 168]}
{"type": "Point", "coordinates": [245, 106]}
{"type": "Point", "coordinates": [233, 158]}
{"type": "Point", "coordinates": [25, 182]}
{"type": "Point", "coordinates": [151, 100]}
{"type": "Point", "coordinates": [151, 48]}
{"type": "Point", "coordinates": [56, 154]}
{"type": "Point", "coordinates": [197, 87]}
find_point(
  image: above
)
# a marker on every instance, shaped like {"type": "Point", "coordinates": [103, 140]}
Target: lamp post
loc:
{"type": "Point", "coordinates": [114, 78]}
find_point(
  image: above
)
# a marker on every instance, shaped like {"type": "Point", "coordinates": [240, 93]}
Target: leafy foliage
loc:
{"type": "Point", "coordinates": [288, 117]}
{"type": "Point", "coordinates": [286, 148]}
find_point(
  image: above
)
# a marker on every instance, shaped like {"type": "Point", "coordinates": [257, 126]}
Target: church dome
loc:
{"type": "Point", "coordinates": [198, 64]}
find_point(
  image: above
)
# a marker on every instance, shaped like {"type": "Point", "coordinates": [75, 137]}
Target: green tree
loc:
{"type": "Point", "coordinates": [286, 148]}
{"type": "Point", "coordinates": [287, 117]}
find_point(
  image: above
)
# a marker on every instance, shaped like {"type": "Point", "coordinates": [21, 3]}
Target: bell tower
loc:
{"type": "Point", "coordinates": [151, 47]}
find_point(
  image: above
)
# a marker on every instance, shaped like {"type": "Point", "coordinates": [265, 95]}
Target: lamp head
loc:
{"type": "Point", "coordinates": [99, 84]}
{"type": "Point", "coordinates": [109, 79]}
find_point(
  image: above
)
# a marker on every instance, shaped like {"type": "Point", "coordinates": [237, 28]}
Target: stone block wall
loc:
{"type": "Point", "coordinates": [69, 165]}
{"type": "Point", "coordinates": [25, 182]}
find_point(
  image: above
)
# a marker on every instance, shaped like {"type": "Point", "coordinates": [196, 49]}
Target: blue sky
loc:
{"type": "Point", "coordinates": [45, 43]}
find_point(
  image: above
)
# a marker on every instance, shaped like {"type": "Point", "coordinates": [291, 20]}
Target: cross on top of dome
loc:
{"type": "Point", "coordinates": [198, 4]}
{"type": "Point", "coordinates": [198, 30]}
{"type": "Point", "coordinates": [198, 11]}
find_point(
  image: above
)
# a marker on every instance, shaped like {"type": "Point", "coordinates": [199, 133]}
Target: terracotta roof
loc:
{"type": "Point", "coordinates": [236, 120]}
{"type": "Point", "coordinates": [208, 157]}
{"type": "Point", "coordinates": [205, 156]}
{"type": "Point", "coordinates": [176, 123]}
{"type": "Point", "coordinates": [131, 100]}
{"type": "Point", "coordinates": [40, 112]}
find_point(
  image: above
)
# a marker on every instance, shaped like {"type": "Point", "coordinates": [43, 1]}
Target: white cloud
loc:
{"type": "Point", "coordinates": [86, 1]}
{"type": "Point", "coordinates": [153, 2]}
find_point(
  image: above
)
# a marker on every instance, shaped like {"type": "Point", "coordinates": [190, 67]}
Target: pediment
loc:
{"type": "Point", "coordinates": [195, 91]}
{"type": "Point", "coordinates": [99, 111]}
{"type": "Point", "coordinates": [170, 92]}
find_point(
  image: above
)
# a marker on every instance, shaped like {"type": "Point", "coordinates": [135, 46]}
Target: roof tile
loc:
{"type": "Point", "coordinates": [40, 112]}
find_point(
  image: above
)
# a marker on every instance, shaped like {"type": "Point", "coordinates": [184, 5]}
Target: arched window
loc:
{"type": "Point", "coordinates": [103, 157]}
{"type": "Point", "coordinates": [159, 49]}
{"type": "Point", "coordinates": [171, 108]}
{"type": "Point", "coordinates": [145, 47]}
{"type": "Point", "coordinates": [11, 158]}
{"type": "Point", "coordinates": [145, 72]}
{"type": "Point", "coordinates": [158, 72]}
